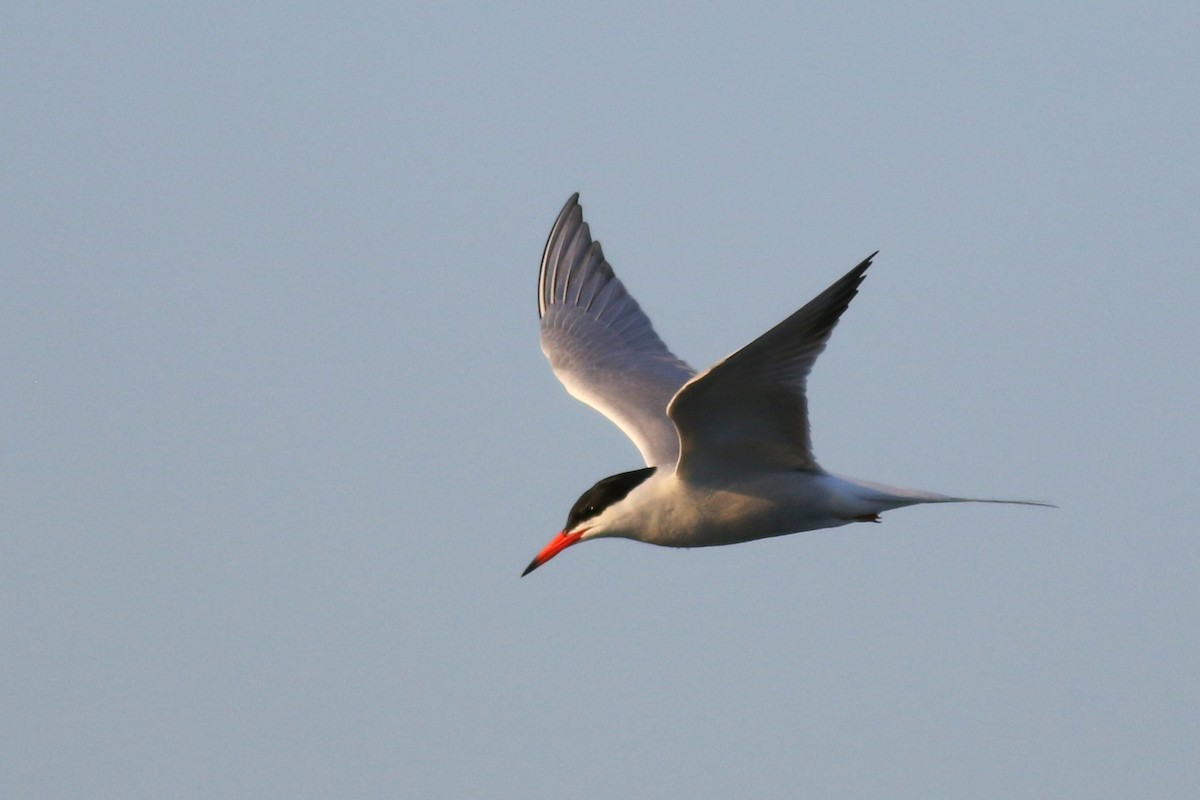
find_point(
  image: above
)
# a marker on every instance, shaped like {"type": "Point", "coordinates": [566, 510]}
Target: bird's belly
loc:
{"type": "Point", "coordinates": [775, 505]}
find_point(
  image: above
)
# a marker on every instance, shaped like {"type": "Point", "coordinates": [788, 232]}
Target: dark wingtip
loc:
{"type": "Point", "coordinates": [559, 221]}
{"type": "Point", "coordinates": [532, 566]}
{"type": "Point", "coordinates": [864, 264]}
{"type": "Point", "coordinates": [850, 282]}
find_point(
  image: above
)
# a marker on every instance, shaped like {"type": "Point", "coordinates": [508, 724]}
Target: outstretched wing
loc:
{"type": "Point", "coordinates": [600, 343]}
{"type": "Point", "coordinates": [749, 411]}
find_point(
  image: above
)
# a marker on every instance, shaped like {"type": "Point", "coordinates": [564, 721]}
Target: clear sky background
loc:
{"type": "Point", "coordinates": [278, 437]}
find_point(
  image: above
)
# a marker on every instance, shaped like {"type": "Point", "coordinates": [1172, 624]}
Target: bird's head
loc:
{"type": "Point", "coordinates": [596, 513]}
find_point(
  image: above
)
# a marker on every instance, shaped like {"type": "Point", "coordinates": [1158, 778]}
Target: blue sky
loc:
{"type": "Point", "coordinates": [279, 438]}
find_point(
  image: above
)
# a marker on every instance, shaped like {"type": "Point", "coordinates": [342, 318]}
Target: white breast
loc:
{"type": "Point", "coordinates": [676, 513]}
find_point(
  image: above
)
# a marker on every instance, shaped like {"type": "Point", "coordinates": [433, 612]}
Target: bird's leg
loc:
{"type": "Point", "coordinates": [867, 518]}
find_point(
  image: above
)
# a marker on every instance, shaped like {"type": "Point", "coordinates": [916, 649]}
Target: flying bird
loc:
{"type": "Point", "coordinates": [728, 452]}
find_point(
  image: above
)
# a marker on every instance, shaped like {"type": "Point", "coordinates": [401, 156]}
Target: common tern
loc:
{"type": "Point", "coordinates": [728, 452]}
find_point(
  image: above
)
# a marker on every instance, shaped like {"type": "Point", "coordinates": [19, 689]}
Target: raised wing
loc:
{"type": "Point", "coordinates": [600, 343]}
{"type": "Point", "coordinates": [749, 411]}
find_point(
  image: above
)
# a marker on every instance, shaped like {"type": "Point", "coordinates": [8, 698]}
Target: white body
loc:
{"type": "Point", "coordinates": [712, 510]}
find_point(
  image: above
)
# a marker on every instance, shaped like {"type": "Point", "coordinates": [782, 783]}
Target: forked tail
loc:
{"type": "Point", "coordinates": [896, 497]}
